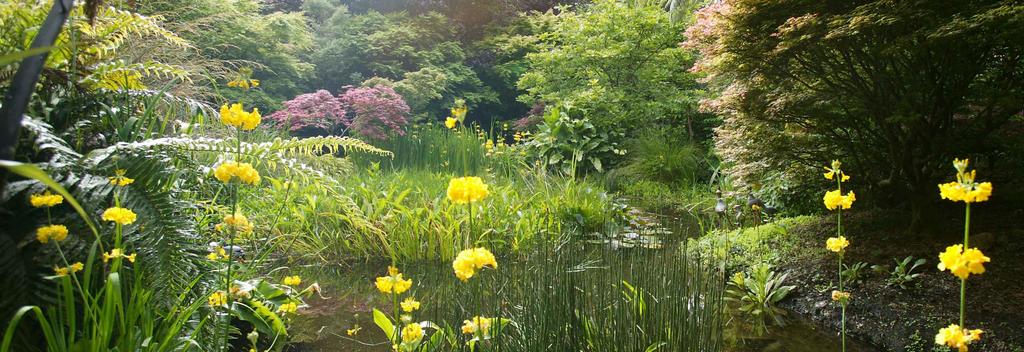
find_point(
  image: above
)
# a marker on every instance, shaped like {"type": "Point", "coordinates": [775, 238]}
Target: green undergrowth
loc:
{"type": "Point", "coordinates": [405, 214]}
{"type": "Point", "coordinates": [769, 243]}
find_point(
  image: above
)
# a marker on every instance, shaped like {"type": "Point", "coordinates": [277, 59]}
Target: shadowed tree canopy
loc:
{"type": "Point", "coordinates": [895, 88]}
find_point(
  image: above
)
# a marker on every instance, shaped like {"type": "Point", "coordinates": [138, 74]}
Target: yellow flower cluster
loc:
{"type": "Point", "coordinates": [70, 269]}
{"type": "Point", "coordinates": [235, 116]}
{"type": "Point", "coordinates": [238, 222]}
{"type": "Point", "coordinates": [450, 122]}
{"type": "Point", "coordinates": [462, 190]}
{"type": "Point", "coordinates": [217, 299]}
{"type": "Point", "coordinates": [244, 83]}
{"type": "Point", "coordinates": [55, 232]}
{"type": "Point", "coordinates": [965, 189]}
{"type": "Point", "coordinates": [119, 179]}
{"type": "Point", "coordinates": [393, 283]}
{"type": "Point", "coordinates": [834, 200]}
{"type": "Point", "coordinates": [45, 199]}
{"type": "Point", "coordinates": [410, 304]}
{"type": "Point", "coordinates": [218, 254]}
{"type": "Point", "coordinates": [837, 244]}
{"type": "Point", "coordinates": [835, 170]}
{"type": "Point", "coordinates": [231, 169]}
{"type": "Point", "coordinates": [470, 260]}
{"type": "Point", "coordinates": [962, 263]}
{"type": "Point", "coordinates": [840, 296]}
{"type": "Point", "coordinates": [118, 253]}
{"type": "Point", "coordinates": [412, 333]}
{"type": "Point", "coordinates": [293, 280]}
{"type": "Point", "coordinates": [288, 308]}
{"type": "Point", "coordinates": [967, 193]}
{"type": "Point", "coordinates": [119, 215]}
{"type": "Point", "coordinates": [956, 337]}
{"type": "Point", "coordinates": [477, 325]}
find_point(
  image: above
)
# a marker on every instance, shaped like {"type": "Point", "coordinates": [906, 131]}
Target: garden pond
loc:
{"type": "Point", "coordinates": [599, 270]}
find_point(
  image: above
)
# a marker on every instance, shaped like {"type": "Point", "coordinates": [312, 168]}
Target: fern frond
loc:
{"type": "Point", "coordinates": [46, 141]}
{"type": "Point", "coordinates": [119, 74]}
{"type": "Point", "coordinates": [113, 27]}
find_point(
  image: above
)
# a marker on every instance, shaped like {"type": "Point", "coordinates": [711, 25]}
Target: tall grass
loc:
{"type": "Point", "coordinates": [569, 295]}
{"type": "Point", "coordinates": [459, 151]}
{"type": "Point", "coordinates": [404, 214]}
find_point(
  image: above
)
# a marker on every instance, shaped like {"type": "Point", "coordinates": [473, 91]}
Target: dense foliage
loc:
{"type": "Point", "coordinates": [894, 88]}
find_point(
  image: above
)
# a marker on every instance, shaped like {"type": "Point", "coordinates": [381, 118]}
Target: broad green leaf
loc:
{"type": "Point", "coordinates": [384, 323]}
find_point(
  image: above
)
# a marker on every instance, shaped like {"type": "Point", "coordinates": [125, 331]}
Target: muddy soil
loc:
{"type": "Point", "coordinates": [906, 319]}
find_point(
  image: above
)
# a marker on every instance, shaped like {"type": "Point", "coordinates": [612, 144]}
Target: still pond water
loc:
{"type": "Point", "coordinates": [350, 296]}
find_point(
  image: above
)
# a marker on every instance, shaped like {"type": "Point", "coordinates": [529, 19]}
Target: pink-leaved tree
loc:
{"type": "Point", "coordinates": [376, 111]}
{"type": "Point", "coordinates": [371, 112]}
{"type": "Point", "coordinates": [317, 113]}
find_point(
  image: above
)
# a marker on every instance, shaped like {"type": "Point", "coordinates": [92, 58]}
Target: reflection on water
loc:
{"type": "Point", "coordinates": [677, 300]}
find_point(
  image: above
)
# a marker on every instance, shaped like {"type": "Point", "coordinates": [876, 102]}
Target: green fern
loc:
{"type": "Point", "coordinates": [288, 153]}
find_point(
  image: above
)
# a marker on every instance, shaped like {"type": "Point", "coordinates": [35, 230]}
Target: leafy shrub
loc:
{"type": "Point", "coordinates": [569, 145]}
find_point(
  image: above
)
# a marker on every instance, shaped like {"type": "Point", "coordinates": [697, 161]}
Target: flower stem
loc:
{"type": "Point", "coordinates": [963, 282]}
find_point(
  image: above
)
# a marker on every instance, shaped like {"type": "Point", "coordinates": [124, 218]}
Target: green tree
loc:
{"type": "Point", "coordinates": [399, 50]}
{"type": "Point", "coordinates": [895, 88]}
{"type": "Point", "coordinates": [238, 33]}
{"type": "Point", "coordinates": [620, 65]}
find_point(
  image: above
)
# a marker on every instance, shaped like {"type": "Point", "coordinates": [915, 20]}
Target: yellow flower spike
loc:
{"type": "Point", "coordinates": [962, 263]}
{"type": "Point", "coordinates": [412, 333]}
{"type": "Point", "coordinates": [244, 172]}
{"type": "Point", "coordinates": [55, 232]}
{"type": "Point", "coordinates": [450, 122]}
{"type": "Point", "coordinates": [212, 256]}
{"type": "Point", "coordinates": [236, 117]}
{"type": "Point", "coordinates": [834, 200]}
{"type": "Point", "coordinates": [394, 283]}
{"type": "Point", "coordinates": [119, 215]}
{"type": "Point", "coordinates": [462, 190]}
{"type": "Point", "coordinates": [469, 261]}
{"type": "Point", "coordinates": [410, 304]}
{"type": "Point", "coordinates": [954, 336]}
{"type": "Point", "coordinates": [965, 189]}
{"type": "Point", "coordinates": [840, 296]}
{"type": "Point", "coordinates": [130, 257]}
{"type": "Point", "coordinates": [76, 267]}
{"type": "Point", "coordinates": [837, 244]}
{"type": "Point", "coordinates": [45, 200]}
{"type": "Point", "coordinates": [477, 325]}
{"type": "Point", "coordinates": [60, 271]}
{"type": "Point", "coordinates": [288, 308]}
{"type": "Point", "coordinates": [119, 179]}
{"type": "Point", "coordinates": [294, 280]}
{"type": "Point", "coordinates": [217, 299]}
{"type": "Point", "coordinates": [113, 254]}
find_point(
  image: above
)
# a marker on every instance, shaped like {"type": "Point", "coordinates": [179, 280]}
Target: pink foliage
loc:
{"type": "Point", "coordinates": [376, 110]}
{"type": "Point", "coordinates": [313, 113]}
